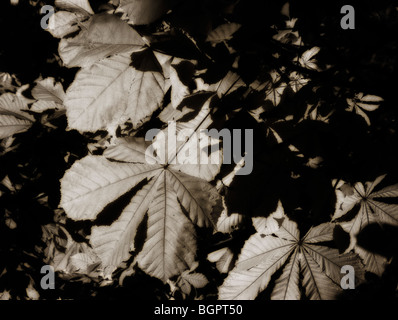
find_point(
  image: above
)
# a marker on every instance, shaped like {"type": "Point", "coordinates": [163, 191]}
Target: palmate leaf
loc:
{"type": "Point", "coordinates": [13, 119]}
{"type": "Point", "coordinates": [110, 92]}
{"type": "Point", "coordinates": [262, 255]}
{"type": "Point", "coordinates": [173, 201]}
{"type": "Point", "coordinates": [361, 103]}
{"type": "Point", "coordinates": [371, 210]}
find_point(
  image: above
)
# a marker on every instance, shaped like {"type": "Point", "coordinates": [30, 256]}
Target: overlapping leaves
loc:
{"type": "Point", "coordinates": [264, 253]}
{"type": "Point", "coordinates": [370, 207]}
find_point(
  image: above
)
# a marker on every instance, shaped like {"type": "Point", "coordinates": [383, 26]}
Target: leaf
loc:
{"type": "Point", "coordinates": [230, 83]}
{"type": "Point", "coordinates": [373, 262]}
{"type": "Point", "coordinates": [171, 243]}
{"type": "Point", "coordinates": [223, 259]}
{"type": "Point", "coordinates": [5, 295]}
{"type": "Point", "coordinates": [262, 256]}
{"type": "Point", "coordinates": [274, 88]}
{"type": "Point", "coordinates": [83, 261]}
{"type": "Point", "coordinates": [297, 81]}
{"type": "Point", "coordinates": [179, 89]}
{"type": "Point", "coordinates": [63, 23]}
{"type": "Point", "coordinates": [189, 151]}
{"type": "Point", "coordinates": [145, 11]}
{"type": "Point", "coordinates": [6, 84]}
{"type": "Point", "coordinates": [287, 286]}
{"type": "Point", "coordinates": [197, 280]}
{"type": "Point", "coordinates": [185, 286]}
{"type": "Point", "coordinates": [41, 106]}
{"type": "Point", "coordinates": [105, 35]}
{"type": "Point", "coordinates": [317, 286]}
{"type": "Point", "coordinates": [79, 6]}
{"type": "Point", "coordinates": [361, 103]}
{"type": "Point", "coordinates": [93, 182]}
{"type": "Point", "coordinates": [223, 32]}
{"type": "Point", "coordinates": [13, 119]}
{"type": "Point", "coordinates": [172, 200]}
{"type": "Point", "coordinates": [228, 223]}
{"type": "Point", "coordinates": [370, 209]}
{"type": "Point", "coordinates": [31, 292]}
{"type": "Point", "coordinates": [110, 92]}
{"type": "Point", "coordinates": [270, 224]}
{"type": "Point", "coordinates": [306, 60]}
{"type": "Point", "coordinates": [49, 90]}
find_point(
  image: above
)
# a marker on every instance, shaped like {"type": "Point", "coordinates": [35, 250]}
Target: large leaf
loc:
{"type": "Point", "coordinates": [170, 247]}
{"type": "Point", "coordinates": [13, 119]}
{"type": "Point", "coordinates": [173, 201]}
{"type": "Point", "coordinates": [110, 92]}
{"type": "Point", "coordinates": [370, 208]}
{"type": "Point", "coordinates": [262, 255]}
{"type": "Point", "coordinates": [105, 35]}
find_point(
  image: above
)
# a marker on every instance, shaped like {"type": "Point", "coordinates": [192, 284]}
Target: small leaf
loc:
{"type": "Point", "coordinates": [31, 292]}
{"type": "Point", "coordinates": [198, 280]}
{"type": "Point", "coordinates": [13, 119]}
{"type": "Point", "coordinates": [49, 90]}
{"type": "Point", "coordinates": [223, 259]}
{"type": "Point", "coordinates": [372, 98]}
{"type": "Point", "coordinates": [307, 60]}
{"type": "Point", "coordinates": [227, 224]}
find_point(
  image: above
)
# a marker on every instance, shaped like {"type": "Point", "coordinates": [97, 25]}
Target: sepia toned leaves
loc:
{"type": "Point", "coordinates": [105, 35]}
{"type": "Point", "coordinates": [262, 255]}
{"type": "Point", "coordinates": [110, 92]}
{"type": "Point", "coordinates": [361, 103]}
{"type": "Point", "coordinates": [50, 95]}
{"type": "Point", "coordinates": [307, 59]}
{"type": "Point", "coordinates": [370, 208]}
{"type": "Point", "coordinates": [13, 119]}
{"type": "Point", "coordinates": [172, 200]}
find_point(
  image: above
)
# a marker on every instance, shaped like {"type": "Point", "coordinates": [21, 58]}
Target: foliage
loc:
{"type": "Point", "coordinates": [77, 191]}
